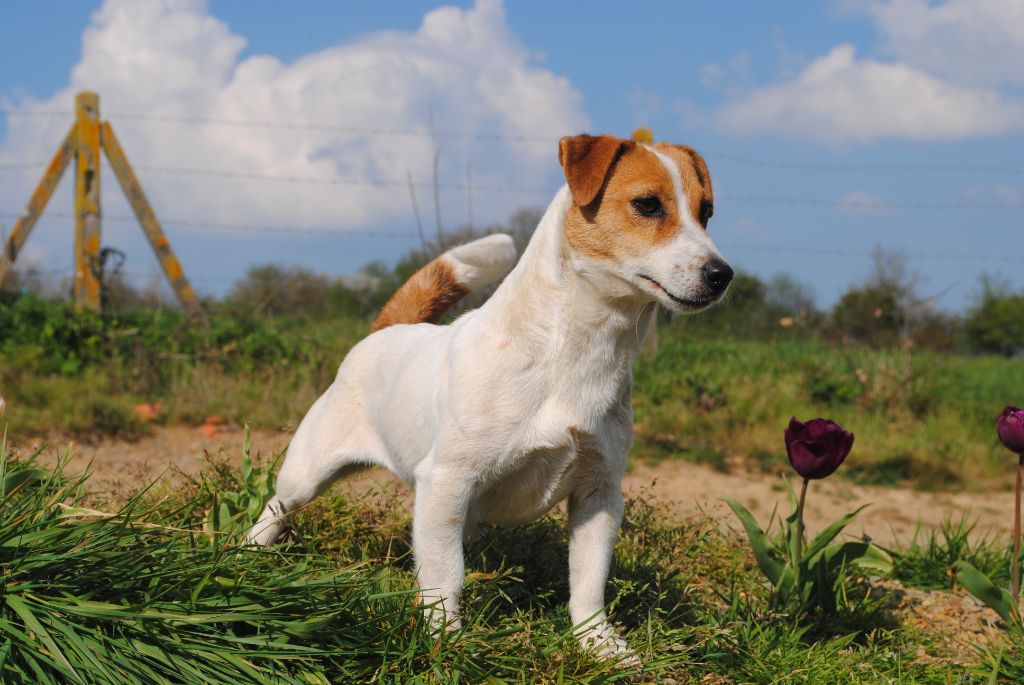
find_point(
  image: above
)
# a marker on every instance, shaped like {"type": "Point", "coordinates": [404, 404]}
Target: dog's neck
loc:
{"type": "Point", "coordinates": [553, 305]}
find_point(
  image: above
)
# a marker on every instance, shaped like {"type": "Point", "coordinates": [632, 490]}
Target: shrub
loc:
{"type": "Point", "coordinates": [995, 324]}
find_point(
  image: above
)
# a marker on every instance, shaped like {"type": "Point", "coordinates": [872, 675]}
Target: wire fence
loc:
{"type": "Point", "coordinates": [430, 133]}
{"type": "Point", "coordinates": [841, 203]}
{"type": "Point", "coordinates": [426, 131]}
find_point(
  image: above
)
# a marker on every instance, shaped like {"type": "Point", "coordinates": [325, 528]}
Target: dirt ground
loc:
{"type": "Point", "coordinates": [894, 514]}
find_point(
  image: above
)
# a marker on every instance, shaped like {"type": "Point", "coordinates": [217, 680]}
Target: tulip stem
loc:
{"type": "Point", "coordinates": [1015, 562]}
{"type": "Point", "coordinates": [800, 532]}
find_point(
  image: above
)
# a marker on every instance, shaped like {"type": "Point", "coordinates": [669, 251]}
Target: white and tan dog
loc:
{"type": "Point", "coordinates": [524, 402]}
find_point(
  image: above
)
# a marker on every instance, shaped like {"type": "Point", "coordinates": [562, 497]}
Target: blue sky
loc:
{"type": "Point", "coordinates": [830, 129]}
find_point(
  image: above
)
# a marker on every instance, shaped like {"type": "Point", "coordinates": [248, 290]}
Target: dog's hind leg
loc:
{"type": "Point", "coordinates": [316, 458]}
{"type": "Point", "coordinates": [294, 491]}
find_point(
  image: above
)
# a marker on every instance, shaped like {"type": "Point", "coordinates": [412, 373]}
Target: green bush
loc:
{"type": "Point", "coordinates": [49, 337]}
{"type": "Point", "coordinates": [995, 324]}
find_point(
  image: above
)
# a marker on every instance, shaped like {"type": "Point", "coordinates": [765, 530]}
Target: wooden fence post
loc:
{"type": "Point", "coordinates": [40, 196]}
{"type": "Point", "coordinates": [147, 219]}
{"type": "Point", "coordinates": [87, 201]}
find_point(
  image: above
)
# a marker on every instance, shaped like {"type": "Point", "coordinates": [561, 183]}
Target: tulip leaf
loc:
{"type": "Point", "coordinates": [786, 587]}
{"type": "Point", "coordinates": [863, 555]}
{"type": "Point", "coordinates": [759, 543]}
{"type": "Point", "coordinates": [826, 589]}
{"type": "Point", "coordinates": [828, 535]}
{"type": "Point", "coordinates": [979, 585]}
{"type": "Point", "coordinates": [18, 478]}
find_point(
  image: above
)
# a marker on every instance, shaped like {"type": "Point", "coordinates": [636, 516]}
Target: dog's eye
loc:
{"type": "Point", "coordinates": [706, 210]}
{"type": "Point", "coordinates": [649, 206]}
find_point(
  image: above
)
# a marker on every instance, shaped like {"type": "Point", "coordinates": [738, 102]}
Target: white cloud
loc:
{"type": "Point", "coordinates": [839, 98]}
{"type": "Point", "coordinates": [171, 57]}
{"type": "Point", "coordinates": [980, 42]}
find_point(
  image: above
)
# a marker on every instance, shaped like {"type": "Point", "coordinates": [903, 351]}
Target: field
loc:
{"type": "Point", "coordinates": [148, 584]}
{"type": "Point", "coordinates": [921, 418]}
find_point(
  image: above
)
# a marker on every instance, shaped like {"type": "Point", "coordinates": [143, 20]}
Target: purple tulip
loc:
{"type": "Point", "coordinates": [1010, 427]}
{"type": "Point", "coordinates": [816, 448]}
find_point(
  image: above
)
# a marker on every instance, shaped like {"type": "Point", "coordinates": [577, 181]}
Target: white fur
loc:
{"type": "Point", "coordinates": [500, 415]}
{"type": "Point", "coordinates": [482, 261]}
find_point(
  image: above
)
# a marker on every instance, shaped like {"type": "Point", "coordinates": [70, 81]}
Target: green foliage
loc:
{"type": "Point", "coordinates": [809, 577]}
{"type": "Point", "coordinates": [886, 311]}
{"type": "Point", "coordinates": [925, 418]}
{"type": "Point", "coordinates": [870, 315]}
{"type": "Point", "coordinates": [232, 512]}
{"type": "Point", "coordinates": [995, 597]}
{"type": "Point", "coordinates": [995, 325]}
{"type": "Point", "coordinates": [140, 595]}
{"type": "Point", "coordinates": [297, 293]}
{"type": "Point", "coordinates": [45, 336]}
{"type": "Point", "coordinates": [927, 560]}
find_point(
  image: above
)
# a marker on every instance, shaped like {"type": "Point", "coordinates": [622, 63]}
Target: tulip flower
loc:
{"type": "Point", "coordinates": [1010, 427]}
{"type": "Point", "coordinates": [815, 449]}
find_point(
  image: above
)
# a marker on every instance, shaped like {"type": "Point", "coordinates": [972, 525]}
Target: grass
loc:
{"type": "Point", "coordinates": [922, 418]}
{"type": "Point", "coordinates": [927, 560]}
{"type": "Point", "coordinates": [151, 592]}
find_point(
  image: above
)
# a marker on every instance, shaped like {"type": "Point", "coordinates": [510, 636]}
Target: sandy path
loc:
{"type": "Point", "coordinates": [121, 467]}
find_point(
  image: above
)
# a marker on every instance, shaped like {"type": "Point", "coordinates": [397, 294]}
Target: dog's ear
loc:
{"type": "Point", "coordinates": [586, 161]}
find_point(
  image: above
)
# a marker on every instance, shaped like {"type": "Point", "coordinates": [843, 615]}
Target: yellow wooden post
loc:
{"type": "Point", "coordinates": [27, 221]}
{"type": "Point", "coordinates": [87, 201]}
{"type": "Point", "coordinates": [144, 213]}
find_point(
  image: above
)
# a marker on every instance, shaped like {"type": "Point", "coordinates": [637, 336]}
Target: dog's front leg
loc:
{"type": "Point", "coordinates": [439, 518]}
{"type": "Point", "coordinates": [595, 513]}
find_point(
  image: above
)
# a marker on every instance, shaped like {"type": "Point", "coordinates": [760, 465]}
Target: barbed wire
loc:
{"type": "Point", "coordinates": [845, 252]}
{"type": "Point", "coordinates": [851, 167]}
{"type": "Point", "coordinates": [340, 180]}
{"type": "Point", "coordinates": [411, 236]}
{"type": "Point", "coordinates": [254, 228]}
{"type": "Point", "coordinates": [426, 132]}
{"type": "Point", "coordinates": [548, 191]}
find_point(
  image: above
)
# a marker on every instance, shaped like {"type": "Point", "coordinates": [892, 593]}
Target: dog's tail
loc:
{"type": "Point", "coordinates": [432, 290]}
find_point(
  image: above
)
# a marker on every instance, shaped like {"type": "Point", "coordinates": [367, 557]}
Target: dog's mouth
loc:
{"type": "Point", "coordinates": [692, 303]}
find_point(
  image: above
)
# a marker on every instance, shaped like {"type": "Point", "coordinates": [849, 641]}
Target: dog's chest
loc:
{"type": "Point", "coordinates": [539, 480]}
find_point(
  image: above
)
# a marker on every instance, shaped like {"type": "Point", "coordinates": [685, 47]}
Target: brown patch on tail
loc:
{"type": "Point", "coordinates": [424, 298]}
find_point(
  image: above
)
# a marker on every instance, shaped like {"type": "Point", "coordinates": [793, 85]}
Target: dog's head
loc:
{"type": "Point", "coordinates": [639, 220]}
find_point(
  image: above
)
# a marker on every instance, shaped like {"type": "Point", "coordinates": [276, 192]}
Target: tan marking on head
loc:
{"type": "Point", "coordinates": [424, 298]}
{"type": "Point", "coordinates": [695, 177]}
{"type": "Point", "coordinates": [611, 226]}
{"type": "Point", "coordinates": [586, 161]}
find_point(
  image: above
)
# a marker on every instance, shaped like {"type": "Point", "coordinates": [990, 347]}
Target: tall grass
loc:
{"type": "Point", "coordinates": [153, 593]}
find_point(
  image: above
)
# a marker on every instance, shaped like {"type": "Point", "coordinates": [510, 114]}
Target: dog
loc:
{"type": "Point", "coordinates": [526, 401]}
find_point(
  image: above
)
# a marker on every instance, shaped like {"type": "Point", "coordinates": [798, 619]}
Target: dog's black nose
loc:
{"type": "Point", "coordinates": [717, 275]}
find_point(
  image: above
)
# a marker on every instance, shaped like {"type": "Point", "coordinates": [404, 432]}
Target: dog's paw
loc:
{"type": "Point", "coordinates": [606, 643]}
